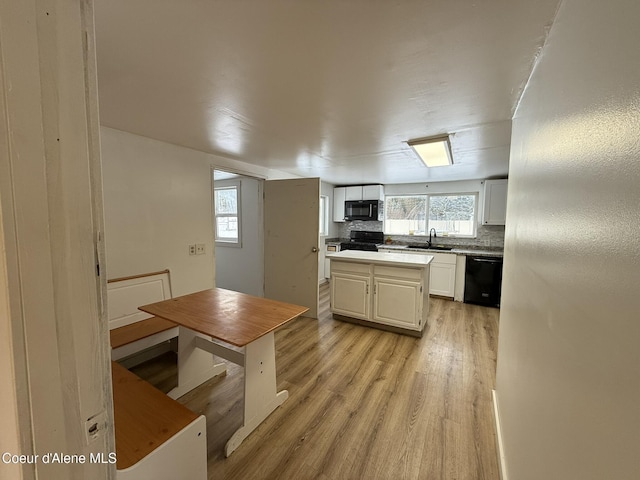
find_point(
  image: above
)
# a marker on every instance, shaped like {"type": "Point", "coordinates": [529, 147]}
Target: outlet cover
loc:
{"type": "Point", "coordinates": [192, 249]}
{"type": "Point", "coordinates": [200, 249]}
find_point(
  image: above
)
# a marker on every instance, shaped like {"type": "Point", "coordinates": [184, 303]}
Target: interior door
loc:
{"type": "Point", "coordinates": [291, 231]}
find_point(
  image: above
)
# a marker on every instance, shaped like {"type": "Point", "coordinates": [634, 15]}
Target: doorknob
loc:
{"type": "Point", "coordinates": [314, 249]}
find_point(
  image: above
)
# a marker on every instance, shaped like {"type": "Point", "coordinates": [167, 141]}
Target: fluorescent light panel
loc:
{"type": "Point", "coordinates": [434, 152]}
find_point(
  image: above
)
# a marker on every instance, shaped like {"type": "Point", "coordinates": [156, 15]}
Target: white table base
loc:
{"type": "Point", "coordinates": [260, 395]}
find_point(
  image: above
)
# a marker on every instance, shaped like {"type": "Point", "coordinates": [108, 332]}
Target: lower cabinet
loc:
{"type": "Point", "coordinates": [443, 275]}
{"type": "Point", "coordinates": [388, 295]}
{"type": "Point", "coordinates": [350, 295]}
{"type": "Point", "coordinates": [397, 302]}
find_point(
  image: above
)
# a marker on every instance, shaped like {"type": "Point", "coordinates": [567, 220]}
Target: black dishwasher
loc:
{"type": "Point", "coordinates": [483, 281]}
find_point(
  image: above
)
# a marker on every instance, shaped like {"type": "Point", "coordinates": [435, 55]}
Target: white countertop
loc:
{"type": "Point", "coordinates": [400, 259]}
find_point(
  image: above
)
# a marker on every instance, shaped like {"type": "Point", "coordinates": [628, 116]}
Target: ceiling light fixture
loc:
{"type": "Point", "coordinates": [433, 151]}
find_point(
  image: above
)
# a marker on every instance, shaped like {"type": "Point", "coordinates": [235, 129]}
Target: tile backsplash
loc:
{"type": "Point", "coordinates": [488, 235]}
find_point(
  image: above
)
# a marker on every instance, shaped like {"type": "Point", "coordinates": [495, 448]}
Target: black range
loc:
{"type": "Point", "coordinates": [363, 240]}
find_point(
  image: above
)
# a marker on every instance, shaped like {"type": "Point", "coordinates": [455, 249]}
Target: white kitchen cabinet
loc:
{"type": "Point", "coordinates": [350, 289]}
{"type": "Point", "coordinates": [365, 192]}
{"type": "Point", "coordinates": [354, 193]}
{"type": "Point", "coordinates": [358, 192]}
{"type": "Point", "coordinates": [442, 280]}
{"type": "Point", "coordinates": [339, 195]}
{"type": "Point", "coordinates": [442, 275]}
{"type": "Point", "coordinates": [385, 294]}
{"type": "Point", "coordinates": [397, 297]}
{"type": "Point", "coordinates": [495, 202]}
{"type": "Point", "coordinates": [461, 263]}
{"type": "Point", "coordinates": [372, 192]}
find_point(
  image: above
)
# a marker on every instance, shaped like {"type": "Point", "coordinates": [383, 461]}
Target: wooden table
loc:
{"type": "Point", "coordinates": [237, 319]}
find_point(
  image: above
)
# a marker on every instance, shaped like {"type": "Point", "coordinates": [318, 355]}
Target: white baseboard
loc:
{"type": "Point", "coordinates": [501, 459]}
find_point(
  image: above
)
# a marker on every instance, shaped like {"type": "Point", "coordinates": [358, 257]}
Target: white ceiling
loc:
{"type": "Point", "coordinates": [328, 88]}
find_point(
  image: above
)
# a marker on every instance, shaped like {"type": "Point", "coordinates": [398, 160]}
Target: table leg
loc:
{"type": "Point", "coordinates": [260, 396]}
{"type": "Point", "coordinates": [195, 366]}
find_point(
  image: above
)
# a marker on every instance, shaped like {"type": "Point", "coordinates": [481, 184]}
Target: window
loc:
{"type": "Point", "coordinates": [324, 216]}
{"type": "Point", "coordinates": [450, 214]}
{"type": "Point", "coordinates": [227, 214]}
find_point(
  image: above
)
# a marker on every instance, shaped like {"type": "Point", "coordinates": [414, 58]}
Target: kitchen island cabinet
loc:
{"type": "Point", "coordinates": [350, 286]}
{"type": "Point", "coordinates": [390, 290]}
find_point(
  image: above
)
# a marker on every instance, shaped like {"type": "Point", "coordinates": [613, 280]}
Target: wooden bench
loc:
{"type": "Point", "coordinates": [131, 330]}
{"type": "Point", "coordinates": [157, 438]}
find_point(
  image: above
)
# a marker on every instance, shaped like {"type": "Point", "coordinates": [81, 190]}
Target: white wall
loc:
{"type": "Point", "coordinates": [568, 378]}
{"type": "Point", "coordinates": [157, 201]}
{"type": "Point", "coordinates": [242, 268]}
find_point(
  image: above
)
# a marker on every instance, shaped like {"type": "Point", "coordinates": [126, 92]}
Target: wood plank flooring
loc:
{"type": "Point", "coordinates": [363, 403]}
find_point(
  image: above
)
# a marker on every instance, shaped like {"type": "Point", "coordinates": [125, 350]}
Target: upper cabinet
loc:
{"type": "Point", "coordinates": [354, 193]}
{"type": "Point", "coordinates": [373, 192]}
{"type": "Point", "coordinates": [495, 202]}
{"type": "Point", "coordinates": [358, 192]}
{"type": "Point", "coordinates": [339, 196]}
{"type": "Point", "coordinates": [364, 192]}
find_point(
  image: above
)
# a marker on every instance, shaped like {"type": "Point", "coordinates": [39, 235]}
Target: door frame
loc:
{"type": "Point", "coordinates": [56, 348]}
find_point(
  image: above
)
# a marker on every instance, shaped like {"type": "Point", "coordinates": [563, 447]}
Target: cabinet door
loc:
{"type": "Point", "coordinates": [495, 202]}
{"type": "Point", "coordinates": [350, 295]}
{"type": "Point", "coordinates": [442, 279]}
{"type": "Point", "coordinates": [397, 302]}
{"type": "Point", "coordinates": [354, 193]}
{"type": "Point", "coordinates": [338, 203]}
{"type": "Point", "coordinates": [372, 192]}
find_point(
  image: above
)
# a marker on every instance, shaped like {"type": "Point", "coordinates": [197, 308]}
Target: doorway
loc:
{"type": "Point", "coordinates": [239, 233]}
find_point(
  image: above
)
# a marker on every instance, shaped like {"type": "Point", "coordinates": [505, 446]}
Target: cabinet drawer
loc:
{"type": "Point", "coordinates": [403, 273]}
{"type": "Point", "coordinates": [350, 267]}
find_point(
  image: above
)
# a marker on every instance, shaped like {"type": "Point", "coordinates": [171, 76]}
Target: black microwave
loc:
{"type": "Point", "coordinates": [363, 210]}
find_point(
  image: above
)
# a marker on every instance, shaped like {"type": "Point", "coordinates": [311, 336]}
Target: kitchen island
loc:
{"type": "Point", "coordinates": [386, 290]}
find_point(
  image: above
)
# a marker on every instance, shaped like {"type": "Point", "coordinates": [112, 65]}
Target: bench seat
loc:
{"type": "Point", "coordinates": [136, 331]}
{"type": "Point", "coordinates": [156, 437]}
{"type": "Point", "coordinates": [134, 336]}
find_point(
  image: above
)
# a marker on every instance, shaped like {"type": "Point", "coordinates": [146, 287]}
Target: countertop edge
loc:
{"type": "Point", "coordinates": [401, 259]}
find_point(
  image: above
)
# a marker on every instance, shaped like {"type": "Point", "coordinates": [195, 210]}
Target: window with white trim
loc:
{"type": "Point", "coordinates": [451, 214]}
{"type": "Point", "coordinates": [227, 214]}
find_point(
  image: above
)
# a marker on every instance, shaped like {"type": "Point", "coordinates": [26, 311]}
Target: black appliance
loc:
{"type": "Point", "coordinates": [363, 240]}
{"type": "Point", "coordinates": [483, 281]}
{"type": "Point", "coordinates": [363, 210]}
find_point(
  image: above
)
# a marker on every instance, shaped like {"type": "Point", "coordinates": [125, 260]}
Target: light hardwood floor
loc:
{"type": "Point", "coordinates": [363, 403]}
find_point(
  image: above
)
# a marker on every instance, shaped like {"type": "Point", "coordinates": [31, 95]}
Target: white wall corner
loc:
{"type": "Point", "coordinates": [499, 441]}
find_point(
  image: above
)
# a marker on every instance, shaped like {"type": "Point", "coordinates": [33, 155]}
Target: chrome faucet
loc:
{"type": "Point", "coordinates": [434, 235]}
